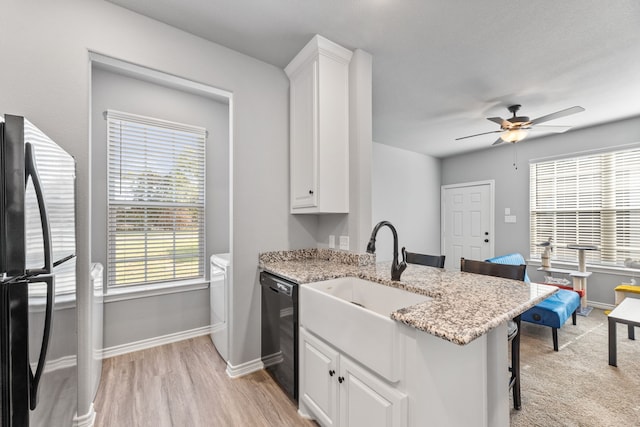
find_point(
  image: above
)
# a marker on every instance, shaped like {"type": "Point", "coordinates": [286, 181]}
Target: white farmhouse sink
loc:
{"type": "Point", "coordinates": [353, 315]}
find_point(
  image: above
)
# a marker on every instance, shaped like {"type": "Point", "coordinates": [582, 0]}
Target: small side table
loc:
{"type": "Point", "coordinates": [628, 312]}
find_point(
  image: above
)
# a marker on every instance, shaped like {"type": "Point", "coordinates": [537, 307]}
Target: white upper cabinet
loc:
{"type": "Point", "coordinates": [319, 120]}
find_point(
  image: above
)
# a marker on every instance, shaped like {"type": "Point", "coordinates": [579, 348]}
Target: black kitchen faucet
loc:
{"type": "Point", "coordinates": [396, 267]}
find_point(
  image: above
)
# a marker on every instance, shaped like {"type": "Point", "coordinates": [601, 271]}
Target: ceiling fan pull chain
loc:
{"type": "Point", "coordinates": [515, 156]}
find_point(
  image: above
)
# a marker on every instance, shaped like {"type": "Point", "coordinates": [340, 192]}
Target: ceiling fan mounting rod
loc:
{"type": "Point", "coordinates": [514, 109]}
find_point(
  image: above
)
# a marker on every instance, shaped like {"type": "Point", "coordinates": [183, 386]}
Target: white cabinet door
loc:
{"type": "Point", "coordinates": [339, 392]}
{"type": "Point", "coordinates": [366, 401]}
{"type": "Point", "coordinates": [304, 136]}
{"type": "Point", "coordinates": [319, 128]}
{"type": "Point", "coordinates": [318, 378]}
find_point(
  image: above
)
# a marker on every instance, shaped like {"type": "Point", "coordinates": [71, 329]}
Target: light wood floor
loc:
{"type": "Point", "coordinates": [185, 384]}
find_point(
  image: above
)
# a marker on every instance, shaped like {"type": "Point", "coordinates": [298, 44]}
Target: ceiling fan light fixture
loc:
{"type": "Point", "coordinates": [514, 135]}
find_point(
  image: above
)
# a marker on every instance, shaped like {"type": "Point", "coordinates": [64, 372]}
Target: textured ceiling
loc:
{"type": "Point", "coordinates": [440, 67]}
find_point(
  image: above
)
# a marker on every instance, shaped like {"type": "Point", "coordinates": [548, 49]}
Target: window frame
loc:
{"type": "Point", "coordinates": [609, 255]}
{"type": "Point", "coordinates": [197, 133]}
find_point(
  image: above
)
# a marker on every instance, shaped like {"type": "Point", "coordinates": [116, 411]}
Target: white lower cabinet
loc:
{"type": "Point", "coordinates": [340, 392]}
{"type": "Point", "coordinates": [319, 378]}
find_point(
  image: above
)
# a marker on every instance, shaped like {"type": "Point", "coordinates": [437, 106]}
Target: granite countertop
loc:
{"type": "Point", "coordinates": [464, 306]}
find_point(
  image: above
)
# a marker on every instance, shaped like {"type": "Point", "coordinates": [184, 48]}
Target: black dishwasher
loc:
{"type": "Point", "coordinates": [280, 331]}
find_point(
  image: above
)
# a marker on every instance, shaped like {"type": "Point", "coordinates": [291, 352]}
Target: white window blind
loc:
{"type": "Point", "coordinates": [588, 200]}
{"type": "Point", "coordinates": [156, 175]}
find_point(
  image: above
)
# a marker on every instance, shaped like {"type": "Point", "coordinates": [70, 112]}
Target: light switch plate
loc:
{"type": "Point", "coordinates": [332, 241]}
{"type": "Point", "coordinates": [510, 219]}
{"type": "Point", "coordinates": [507, 211]}
{"type": "Point", "coordinates": [344, 243]}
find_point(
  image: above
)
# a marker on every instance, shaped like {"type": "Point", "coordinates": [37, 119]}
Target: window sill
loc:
{"type": "Point", "coordinates": [146, 291]}
{"type": "Point", "coordinates": [603, 269]}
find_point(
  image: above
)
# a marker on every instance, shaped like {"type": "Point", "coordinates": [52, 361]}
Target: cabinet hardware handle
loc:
{"type": "Point", "coordinates": [310, 191]}
{"type": "Point", "coordinates": [332, 372]}
{"type": "Point", "coordinates": [340, 379]}
{"type": "Point", "coordinates": [486, 240]}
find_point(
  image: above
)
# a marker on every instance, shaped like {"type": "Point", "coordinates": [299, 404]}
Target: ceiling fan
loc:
{"type": "Point", "coordinates": [517, 128]}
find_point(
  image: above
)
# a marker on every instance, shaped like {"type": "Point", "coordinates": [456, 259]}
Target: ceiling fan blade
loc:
{"type": "Point", "coordinates": [498, 120]}
{"type": "Point", "coordinates": [478, 134]}
{"type": "Point", "coordinates": [498, 142]}
{"type": "Point", "coordinates": [548, 128]}
{"type": "Point", "coordinates": [557, 115]}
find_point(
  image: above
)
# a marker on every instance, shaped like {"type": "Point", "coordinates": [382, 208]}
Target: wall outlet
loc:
{"type": "Point", "coordinates": [344, 243]}
{"type": "Point", "coordinates": [510, 219]}
{"type": "Point", "coordinates": [332, 241]}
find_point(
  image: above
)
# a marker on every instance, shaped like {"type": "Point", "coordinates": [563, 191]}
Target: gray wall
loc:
{"type": "Point", "coordinates": [131, 320]}
{"type": "Point", "coordinates": [46, 77]}
{"type": "Point", "coordinates": [512, 186]}
{"type": "Point", "coordinates": [406, 192]}
{"type": "Point", "coordinates": [110, 90]}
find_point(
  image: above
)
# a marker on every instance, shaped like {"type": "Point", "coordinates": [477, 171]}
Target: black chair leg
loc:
{"type": "Point", "coordinates": [515, 366]}
{"type": "Point", "coordinates": [555, 338]}
{"type": "Point", "coordinates": [574, 316]}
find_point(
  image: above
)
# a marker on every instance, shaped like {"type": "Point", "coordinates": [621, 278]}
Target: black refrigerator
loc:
{"type": "Point", "coordinates": [38, 371]}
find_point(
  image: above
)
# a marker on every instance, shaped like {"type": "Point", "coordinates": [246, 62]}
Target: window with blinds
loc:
{"type": "Point", "coordinates": [587, 200]}
{"type": "Point", "coordinates": [156, 175]}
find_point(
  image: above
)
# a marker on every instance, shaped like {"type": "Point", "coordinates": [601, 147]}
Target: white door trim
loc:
{"type": "Point", "coordinates": [492, 226]}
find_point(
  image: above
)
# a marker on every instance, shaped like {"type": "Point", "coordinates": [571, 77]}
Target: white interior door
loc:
{"type": "Point", "coordinates": [467, 222]}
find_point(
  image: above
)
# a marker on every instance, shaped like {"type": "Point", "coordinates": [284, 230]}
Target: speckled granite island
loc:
{"type": "Point", "coordinates": [454, 349]}
{"type": "Point", "coordinates": [464, 306]}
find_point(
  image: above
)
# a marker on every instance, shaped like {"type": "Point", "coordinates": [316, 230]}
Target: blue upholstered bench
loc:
{"type": "Point", "coordinates": [553, 311]}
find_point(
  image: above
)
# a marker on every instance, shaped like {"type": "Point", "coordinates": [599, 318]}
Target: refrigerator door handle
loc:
{"type": "Point", "coordinates": [32, 171]}
{"type": "Point", "coordinates": [34, 379]}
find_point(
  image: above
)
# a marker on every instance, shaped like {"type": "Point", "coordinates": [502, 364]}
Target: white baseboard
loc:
{"type": "Point", "coordinates": [86, 420]}
{"type": "Point", "coordinates": [232, 371]}
{"type": "Point", "coordinates": [118, 350]}
{"type": "Point", "coordinates": [305, 415]}
{"type": "Point", "coordinates": [244, 368]}
{"type": "Point", "coordinates": [272, 359]}
{"type": "Point", "coordinates": [220, 326]}
{"type": "Point", "coordinates": [303, 410]}
{"type": "Point", "coordinates": [63, 362]}
{"type": "Point", "coordinates": [600, 305]}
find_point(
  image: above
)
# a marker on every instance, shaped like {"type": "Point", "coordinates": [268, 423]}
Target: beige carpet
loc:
{"type": "Point", "coordinates": [576, 386]}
